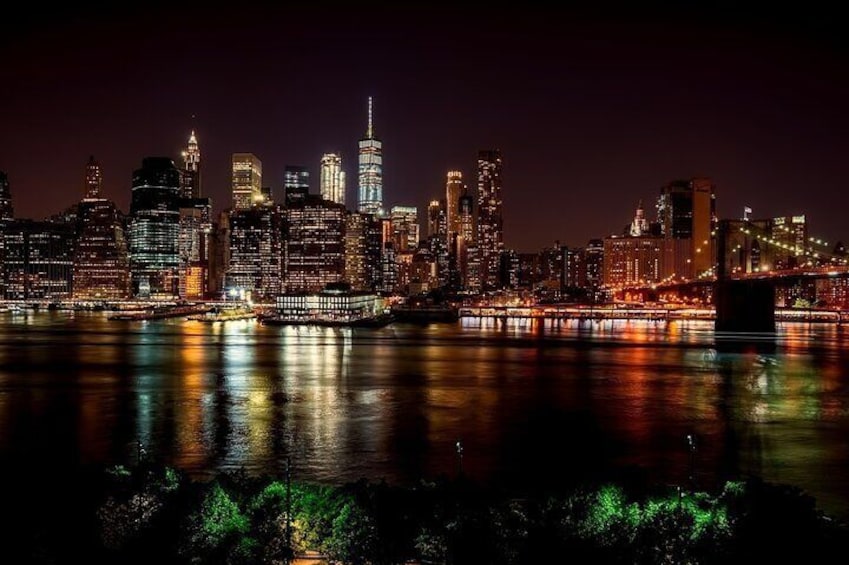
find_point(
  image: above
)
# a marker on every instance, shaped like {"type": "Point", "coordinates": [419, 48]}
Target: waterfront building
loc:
{"type": "Point", "coordinates": [334, 305]}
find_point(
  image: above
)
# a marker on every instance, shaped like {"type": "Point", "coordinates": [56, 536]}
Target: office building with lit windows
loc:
{"type": "Point", "coordinates": [790, 240]}
{"type": "Point", "coordinates": [195, 247]}
{"type": "Point", "coordinates": [686, 211]}
{"type": "Point", "coordinates": [6, 215]}
{"type": "Point", "coordinates": [490, 227]}
{"type": "Point", "coordinates": [101, 269]}
{"type": "Point", "coordinates": [466, 249]}
{"type": "Point", "coordinates": [154, 229]}
{"type": "Point", "coordinates": [314, 233]}
{"type": "Point", "coordinates": [296, 183]}
{"type": "Point", "coordinates": [332, 178]}
{"type": "Point", "coordinates": [594, 260]}
{"type": "Point", "coordinates": [454, 190]}
{"type": "Point", "coordinates": [363, 246]}
{"type": "Point", "coordinates": [39, 260]}
{"type": "Point", "coordinates": [405, 228]}
{"type": "Point", "coordinates": [246, 180]}
{"type": "Point", "coordinates": [191, 169]}
{"type": "Point", "coordinates": [256, 254]}
{"type": "Point", "coordinates": [632, 260]}
{"type": "Point", "coordinates": [370, 170]}
{"type": "Point", "coordinates": [437, 238]}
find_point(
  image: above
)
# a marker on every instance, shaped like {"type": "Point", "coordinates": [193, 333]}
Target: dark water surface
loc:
{"type": "Point", "coordinates": [535, 405]}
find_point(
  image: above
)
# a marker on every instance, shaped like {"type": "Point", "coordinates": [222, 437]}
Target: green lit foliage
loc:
{"type": "Point", "coordinates": [217, 528]}
{"type": "Point", "coordinates": [354, 537]}
{"type": "Point", "coordinates": [671, 529]}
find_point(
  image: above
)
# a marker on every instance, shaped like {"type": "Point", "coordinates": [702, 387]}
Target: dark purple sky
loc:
{"type": "Point", "coordinates": [591, 112]}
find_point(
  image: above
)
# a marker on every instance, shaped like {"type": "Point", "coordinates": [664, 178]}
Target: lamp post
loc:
{"type": "Point", "coordinates": [289, 552]}
{"type": "Point", "coordinates": [691, 446]}
{"type": "Point", "coordinates": [459, 449]}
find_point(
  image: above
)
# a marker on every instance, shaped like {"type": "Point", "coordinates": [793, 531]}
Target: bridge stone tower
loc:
{"type": "Point", "coordinates": [741, 305]}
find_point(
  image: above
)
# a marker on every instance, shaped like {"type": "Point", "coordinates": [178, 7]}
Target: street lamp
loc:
{"type": "Point", "coordinates": [691, 446]}
{"type": "Point", "coordinates": [459, 448]}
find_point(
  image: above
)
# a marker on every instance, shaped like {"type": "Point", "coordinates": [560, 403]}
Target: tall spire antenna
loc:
{"type": "Point", "coordinates": [370, 131]}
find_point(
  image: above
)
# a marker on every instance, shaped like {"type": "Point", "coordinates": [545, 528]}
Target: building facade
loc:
{"type": "Point", "coordinates": [314, 232]}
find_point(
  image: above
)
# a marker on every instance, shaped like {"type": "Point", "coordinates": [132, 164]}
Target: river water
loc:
{"type": "Point", "coordinates": [534, 405]}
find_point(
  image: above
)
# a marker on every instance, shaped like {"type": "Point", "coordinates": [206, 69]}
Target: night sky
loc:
{"type": "Point", "coordinates": [592, 112]}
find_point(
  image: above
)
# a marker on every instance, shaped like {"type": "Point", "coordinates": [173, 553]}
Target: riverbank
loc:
{"type": "Point", "coordinates": [154, 514]}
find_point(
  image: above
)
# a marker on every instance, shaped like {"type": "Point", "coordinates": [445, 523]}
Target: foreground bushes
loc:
{"type": "Point", "coordinates": [155, 515]}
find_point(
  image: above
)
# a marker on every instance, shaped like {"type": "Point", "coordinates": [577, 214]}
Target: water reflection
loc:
{"type": "Point", "coordinates": [604, 396]}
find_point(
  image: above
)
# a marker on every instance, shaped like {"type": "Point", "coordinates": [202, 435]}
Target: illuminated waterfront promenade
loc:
{"type": "Point", "coordinates": [621, 312]}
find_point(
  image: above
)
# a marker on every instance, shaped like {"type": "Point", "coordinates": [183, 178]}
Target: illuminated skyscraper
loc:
{"type": "Point", "coordinates": [332, 178]}
{"type": "Point", "coordinates": [371, 170]}
{"type": "Point", "coordinates": [39, 260]}
{"type": "Point", "coordinates": [247, 180]}
{"type": "Point", "coordinates": [154, 229]}
{"type": "Point", "coordinates": [6, 215]}
{"type": "Point", "coordinates": [256, 253]}
{"type": "Point", "coordinates": [594, 258]}
{"type": "Point", "coordinates": [195, 247]}
{"type": "Point", "coordinates": [490, 240]}
{"type": "Point", "coordinates": [101, 263]}
{"type": "Point", "coordinates": [437, 227]}
{"type": "Point", "coordinates": [296, 183]}
{"type": "Point", "coordinates": [93, 179]}
{"type": "Point", "coordinates": [405, 228]}
{"type": "Point", "coordinates": [632, 260]}
{"type": "Point", "coordinates": [453, 193]}
{"type": "Point", "coordinates": [315, 244]}
{"type": "Point", "coordinates": [191, 169]}
{"type": "Point", "coordinates": [466, 249]}
{"type": "Point", "coordinates": [363, 246]}
{"type": "Point", "coordinates": [686, 211]}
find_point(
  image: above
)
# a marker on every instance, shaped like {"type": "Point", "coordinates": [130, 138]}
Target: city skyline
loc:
{"type": "Point", "coordinates": [608, 112]}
